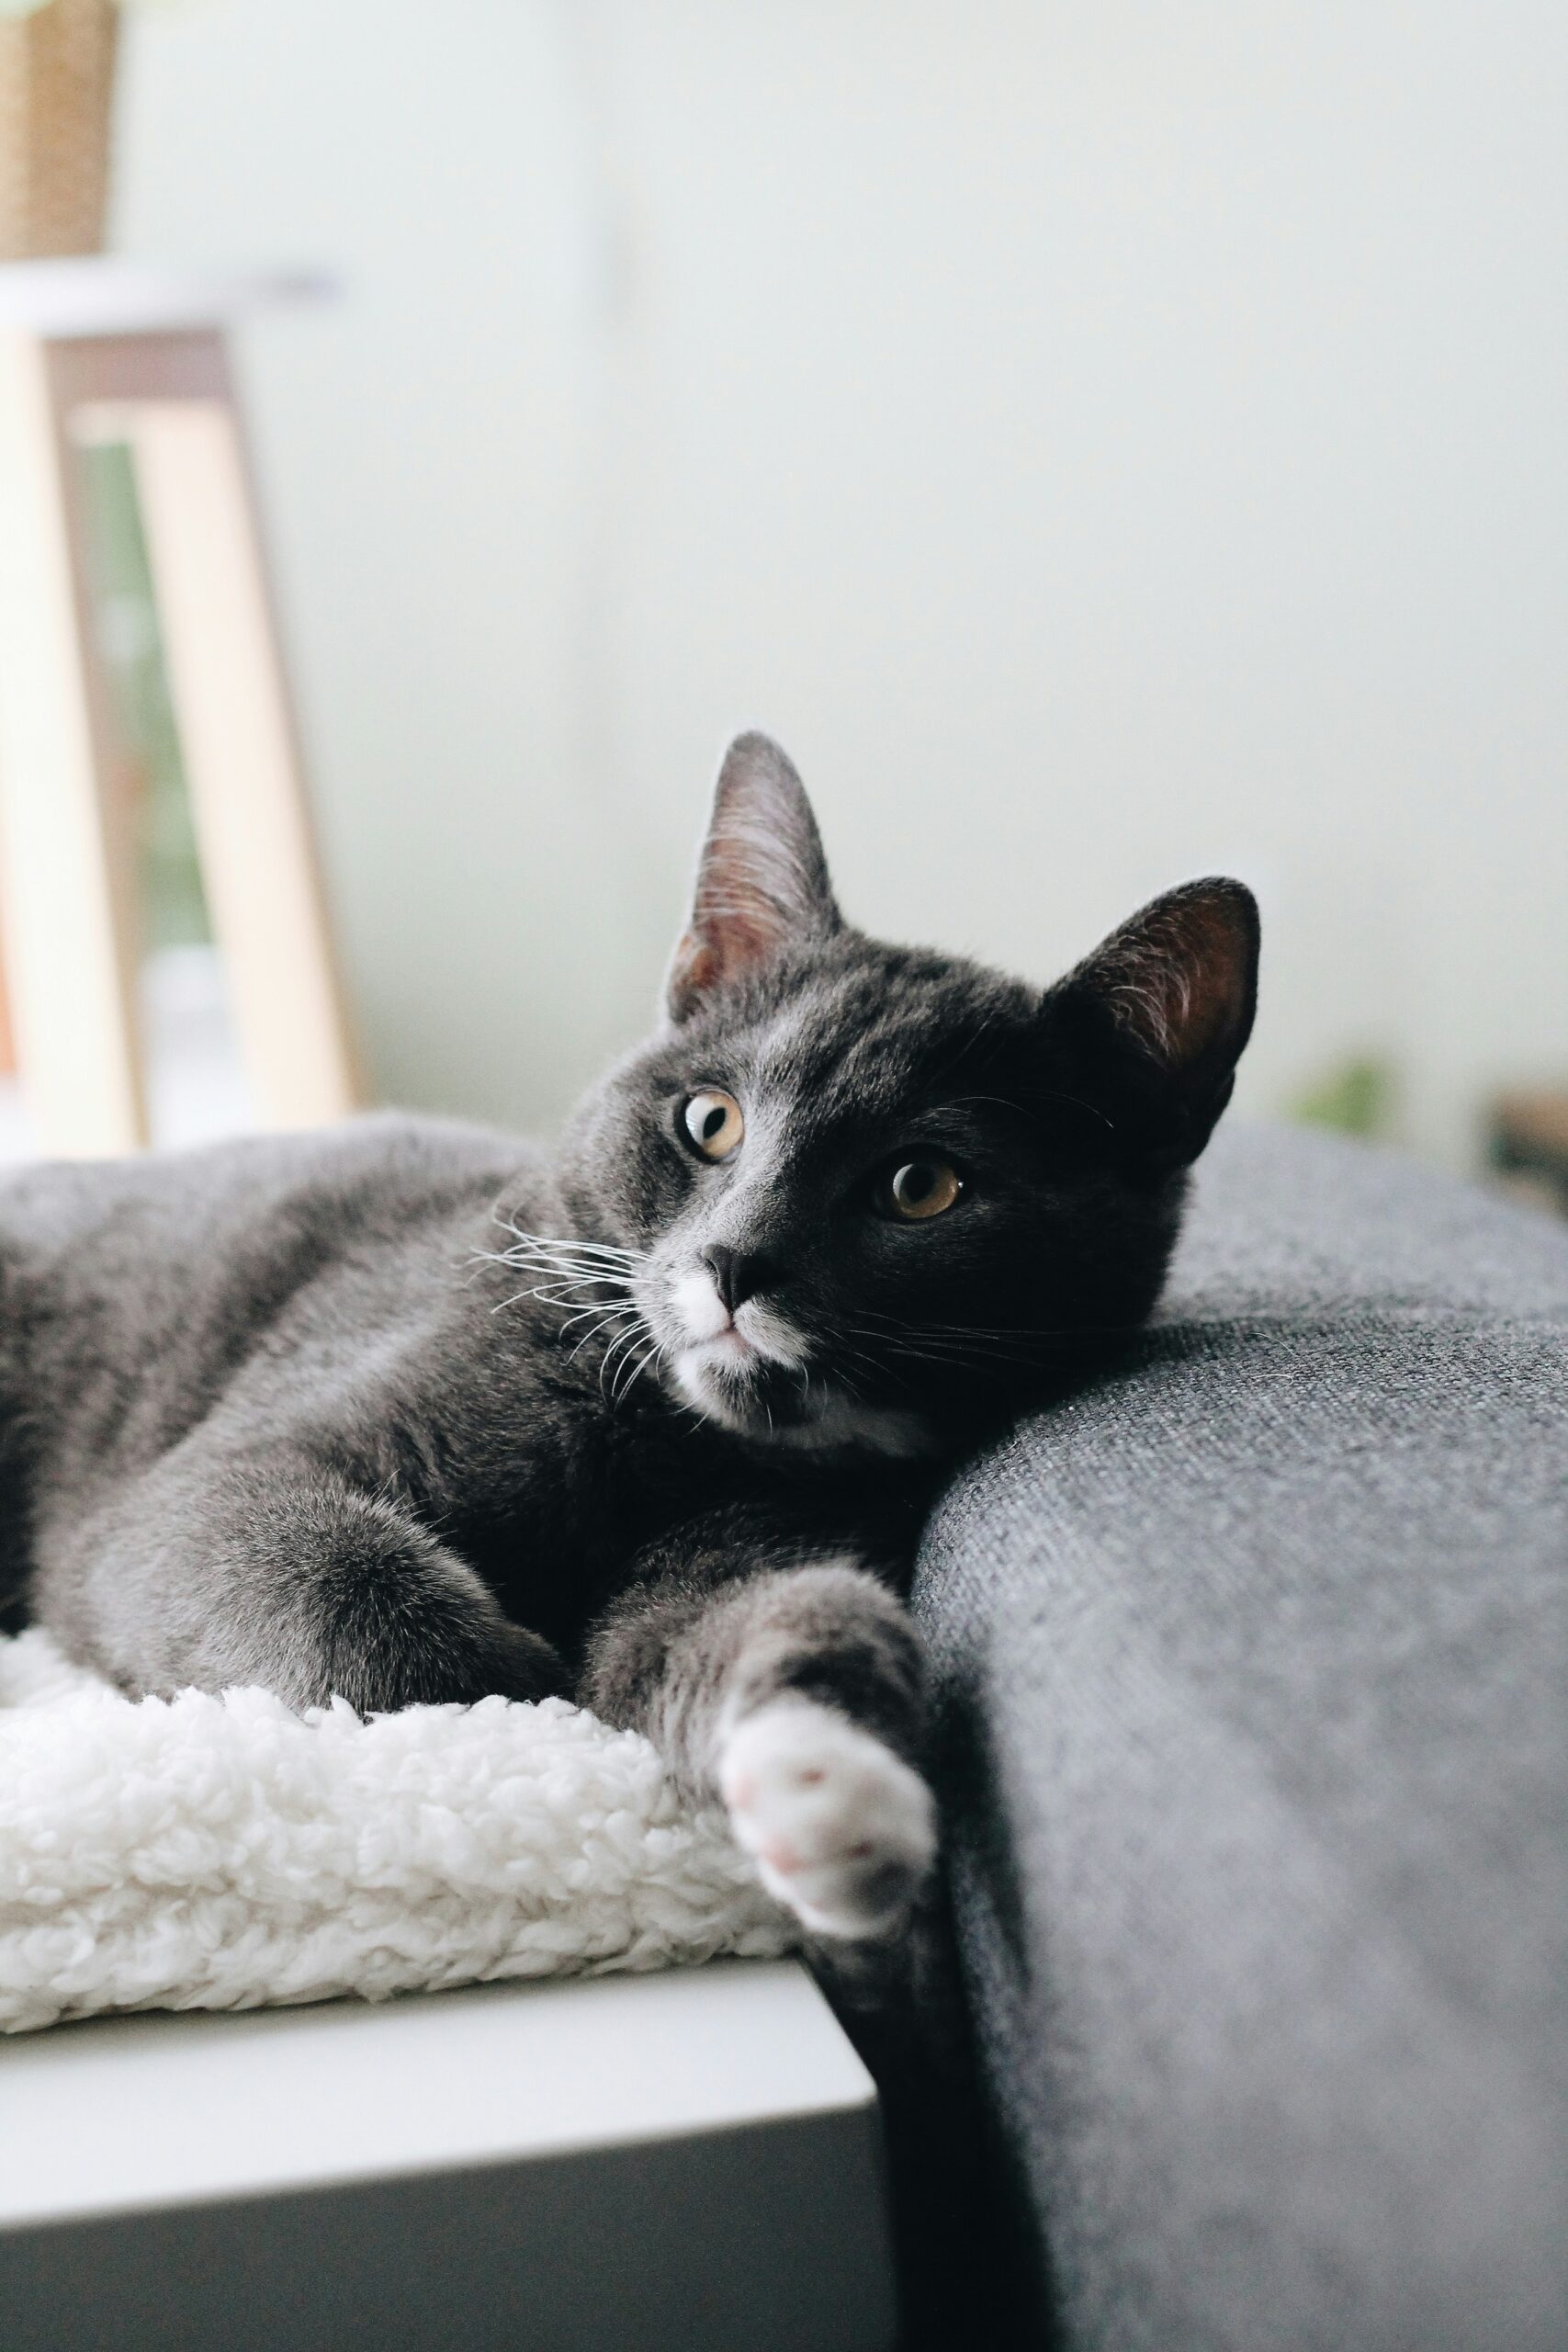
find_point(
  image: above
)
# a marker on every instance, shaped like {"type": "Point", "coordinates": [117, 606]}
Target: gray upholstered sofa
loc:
{"type": "Point", "coordinates": [1254, 1664]}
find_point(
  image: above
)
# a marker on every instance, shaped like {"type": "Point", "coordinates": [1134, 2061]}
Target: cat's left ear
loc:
{"type": "Point", "coordinates": [762, 880]}
{"type": "Point", "coordinates": [1159, 1015]}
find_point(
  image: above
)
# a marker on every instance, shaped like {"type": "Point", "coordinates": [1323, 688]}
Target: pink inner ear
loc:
{"type": "Point", "coordinates": [1174, 1007]}
{"type": "Point", "coordinates": [1176, 976]}
{"type": "Point", "coordinates": [761, 881]}
{"type": "Point", "coordinates": [691, 967]}
{"type": "Point", "coordinates": [706, 957]}
{"type": "Point", "coordinates": [736, 924]}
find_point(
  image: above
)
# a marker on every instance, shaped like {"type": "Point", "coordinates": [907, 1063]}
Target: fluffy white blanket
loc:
{"type": "Point", "coordinates": [203, 1853]}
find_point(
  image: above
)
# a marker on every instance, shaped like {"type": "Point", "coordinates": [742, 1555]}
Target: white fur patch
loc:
{"type": "Point", "coordinates": [720, 1345]}
{"type": "Point", "coordinates": [204, 1853]}
{"type": "Point", "coordinates": [841, 1829]}
{"type": "Point", "coordinates": [695, 1300]}
{"type": "Point", "coordinates": [688, 1368]}
{"type": "Point", "coordinates": [772, 1334]}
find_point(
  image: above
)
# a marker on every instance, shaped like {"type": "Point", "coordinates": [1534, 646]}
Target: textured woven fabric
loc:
{"type": "Point", "coordinates": [1255, 1665]}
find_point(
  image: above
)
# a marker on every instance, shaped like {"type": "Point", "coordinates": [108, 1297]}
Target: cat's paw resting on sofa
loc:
{"type": "Point", "coordinates": [841, 1828]}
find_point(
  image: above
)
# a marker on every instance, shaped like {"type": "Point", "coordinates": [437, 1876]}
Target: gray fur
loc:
{"type": "Point", "coordinates": [396, 1410]}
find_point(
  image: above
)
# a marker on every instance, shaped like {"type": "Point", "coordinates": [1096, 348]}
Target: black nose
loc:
{"type": "Point", "coordinates": [740, 1275]}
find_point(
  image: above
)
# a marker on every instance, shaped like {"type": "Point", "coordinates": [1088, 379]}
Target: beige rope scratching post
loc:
{"type": "Point", "coordinates": [99, 349]}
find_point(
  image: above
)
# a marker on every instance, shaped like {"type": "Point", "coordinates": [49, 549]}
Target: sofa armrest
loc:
{"type": "Point", "coordinates": [1253, 1662]}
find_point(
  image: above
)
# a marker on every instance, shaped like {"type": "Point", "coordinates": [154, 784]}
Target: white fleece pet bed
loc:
{"type": "Point", "coordinates": [203, 1853]}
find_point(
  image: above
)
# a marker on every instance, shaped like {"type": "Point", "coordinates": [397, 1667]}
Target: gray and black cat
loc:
{"type": "Point", "coordinates": [407, 1412]}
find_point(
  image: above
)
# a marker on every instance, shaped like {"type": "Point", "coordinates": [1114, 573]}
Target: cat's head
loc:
{"type": "Point", "coordinates": [877, 1195]}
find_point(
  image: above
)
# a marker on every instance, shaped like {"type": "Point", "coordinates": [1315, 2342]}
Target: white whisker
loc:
{"type": "Point", "coordinates": [594, 1328]}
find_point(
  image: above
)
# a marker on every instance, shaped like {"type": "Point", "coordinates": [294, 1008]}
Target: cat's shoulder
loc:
{"type": "Point", "coordinates": [405, 1147]}
{"type": "Point", "coordinates": [389, 1169]}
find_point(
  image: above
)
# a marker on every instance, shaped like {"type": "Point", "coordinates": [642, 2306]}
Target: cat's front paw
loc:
{"type": "Point", "coordinates": [840, 1827]}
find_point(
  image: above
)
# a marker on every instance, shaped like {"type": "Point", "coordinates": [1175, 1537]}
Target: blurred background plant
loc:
{"type": "Point", "coordinates": [174, 909]}
{"type": "Point", "coordinates": [1359, 1096]}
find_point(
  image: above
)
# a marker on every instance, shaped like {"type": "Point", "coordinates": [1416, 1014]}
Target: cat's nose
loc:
{"type": "Point", "coordinates": [737, 1274]}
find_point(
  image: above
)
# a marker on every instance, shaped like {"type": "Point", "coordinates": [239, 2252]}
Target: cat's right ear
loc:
{"type": "Point", "coordinates": [1156, 1019]}
{"type": "Point", "coordinates": [761, 883]}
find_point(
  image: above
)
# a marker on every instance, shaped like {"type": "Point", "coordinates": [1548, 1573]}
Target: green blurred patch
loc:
{"type": "Point", "coordinates": [174, 904]}
{"type": "Point", "coordinates": [1359, 1096]}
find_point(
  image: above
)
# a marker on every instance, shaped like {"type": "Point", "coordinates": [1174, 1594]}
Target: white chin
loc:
{"type": "Point", "coordinates": [832, 1421]}
{"type": "Point", "coordinates": [700, 1377]}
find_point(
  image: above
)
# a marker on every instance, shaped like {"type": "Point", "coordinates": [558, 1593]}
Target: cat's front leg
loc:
{"type": "Point", "coordinates": [222, 1566]}
{"type": "Point", "coordinates": [792, 1687]}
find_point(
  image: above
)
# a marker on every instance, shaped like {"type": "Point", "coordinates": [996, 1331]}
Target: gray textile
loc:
{"type": "Point", "coordinates": [1255, 1673]}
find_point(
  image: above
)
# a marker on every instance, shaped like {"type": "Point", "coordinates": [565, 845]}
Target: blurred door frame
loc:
{"type": "Point", "coordinates": [95, 350]}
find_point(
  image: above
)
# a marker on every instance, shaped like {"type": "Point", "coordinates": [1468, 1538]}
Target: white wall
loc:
{"type": "Point", "coordinates": [1103, 443]}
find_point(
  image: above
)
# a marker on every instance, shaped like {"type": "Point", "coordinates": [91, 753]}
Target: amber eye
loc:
{"type": "Point", "coordinates": [922, 1188]}
{"type": "Point", "coordinates": [713, 1123]}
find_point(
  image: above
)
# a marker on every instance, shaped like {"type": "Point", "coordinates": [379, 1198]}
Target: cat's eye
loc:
{"type": "Point", "coordinates": [919, 1189]}
{"type": "Point", "coordinates": [712, 1122]}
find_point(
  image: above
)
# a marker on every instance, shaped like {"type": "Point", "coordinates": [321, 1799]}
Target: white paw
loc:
{"type": "Point", "coordinates": [840, 1829]}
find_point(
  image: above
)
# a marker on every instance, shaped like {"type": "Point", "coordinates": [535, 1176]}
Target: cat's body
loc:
{"type": "Point", "coordinates": [337, 1304]}
{"type": "Point", "coordinates": [409, 1412]}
